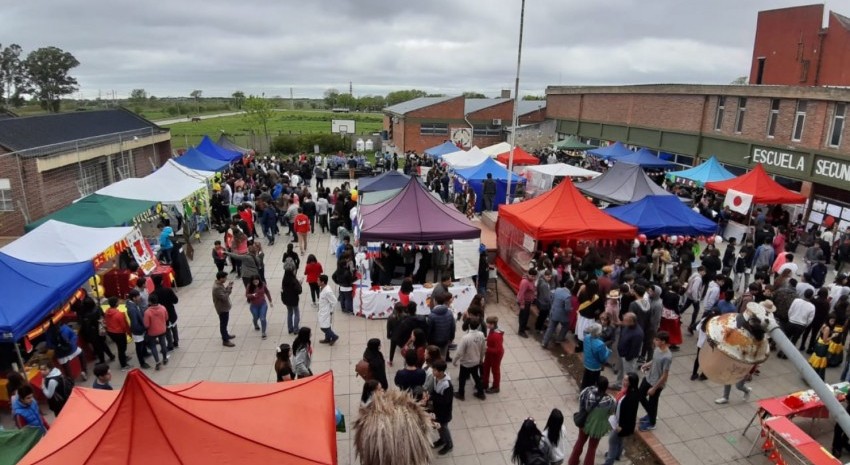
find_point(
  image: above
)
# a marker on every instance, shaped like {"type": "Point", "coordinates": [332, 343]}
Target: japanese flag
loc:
{"type": "Point", "coordinates": [738, 201]}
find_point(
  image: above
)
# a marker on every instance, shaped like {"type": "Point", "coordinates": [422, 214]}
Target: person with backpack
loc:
{"type": "Point", "coordinates": [377, 364]}
{"type": "Point", "coordinates": [63, 341]}
{"type": "Point", "coordinates": [595, 406]}
{"type": "Point", "coordinates": [168, 298]}
{"type": "Point", "coordinates": [530, 448]}
{"type": "Point", "coordinates": [344, 279]}
{"type": "Point", "coordinates": [56, 386]}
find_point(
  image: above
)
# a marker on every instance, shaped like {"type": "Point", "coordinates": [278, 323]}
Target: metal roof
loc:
{"type": "Point", "coordinates": [471, 105]}
{"type": "Point", "coordinates": [58, 129]}
{"type": "Point", "coordinates": [529, 106]}
{"type": "Point", "coordinates": [415, 104]}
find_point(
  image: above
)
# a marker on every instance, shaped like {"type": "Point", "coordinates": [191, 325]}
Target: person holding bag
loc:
{"type": "Point", "coordinates": [595, 406]}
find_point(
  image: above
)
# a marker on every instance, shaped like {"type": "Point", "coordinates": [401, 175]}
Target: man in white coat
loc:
{"type": "Point", "coordinates": [327, 302]}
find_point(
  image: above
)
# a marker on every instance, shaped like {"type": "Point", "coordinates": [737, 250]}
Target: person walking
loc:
{"type": "Point", "coordinates": [327, 303]}
{"type": "Point", "coordinates": [168, 299]}
{"type": "Point", "coordinates": [377, 364]}
{"type": "Point", "coordinates": [221, 302]}
{"type": "Point", "coordinates": [137, 325]}
{"type": "Point", "coordinates": [302, 229]}
{"type": "Point", "coordinates": [562, 306]}
{"type": "Point", "coordinates": [596, 353]}
{"type": "Point", "coordinates": [525, 297]}
{"type": "Point", "coordinates": [628, 348]}
{"type": "Point", "coordinates": [544, 300]}
{"type": "Point", "coordinates": [488, 191]}
{"type": "Point", "coordinates": [493, 355]}
{"type": "Point", "coordinates": [555, 437]}
{"type": "Point", "coordinates": [441, 324]}
{"type": "Point", "coordinates": [259, 299]}
{"type": "Point", "coordinates": [156, 325]}
{"type": "Point", "coordinates": [290, 290]}
{"type": "Point", "coordinates": [302, 348]}
{"type": "Point", "coordinates": [470, 356]}
{"type": "Point", "coordinates": [654, 382]}
{"type": "Point", "coordinates": [628, 401]}
{"type": "Point", "coordinates": [117, 329]}
{"type": "Point", "coordinates": [597, 406]}
{"type": "Point", "coordinates": [312, 270]}
{"type": "Point", "coordinates": [441, 396]}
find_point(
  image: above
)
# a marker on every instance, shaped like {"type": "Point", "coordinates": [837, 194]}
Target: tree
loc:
{"type": "Point", "coordinates": [138, 96]}
{"type": "Point", "coordinates": [331, 96]}
{"type": "Point", "coordinates": [403, 95]}
{"type": "Point", "coordinates": [740, 81]}
{"type": "Point", "coordinates": [47, 76]}
{"type": "Point", "coordinates": [346, 101]}
{"type": "Point", "coordinates": [474, 95]}
{"type": "Point", "coordinates": [196, 94]}
{"type": "Point", "coordinates": [371, 103]}
{"type": "Point", "coordinates": [534, 97]}
{"type": "Point", "coordinates": [12, 76]}
{"type": "Point", "coordinates": [259, 111]}
{"type": "Point", "coordinates": [238, 99]}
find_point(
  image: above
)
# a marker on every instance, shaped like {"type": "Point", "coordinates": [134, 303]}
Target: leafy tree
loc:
{"type": "Point", "coordinates": [403, 95]}
{"type": "Point", "coordinates": [331, 96]}
{"type": "Point", "coordinates": [196, 94]}
{"type": "Point", "coordinates": [346, 101]}
{"type": "Point", "coordinates": [371, 103]}
{"type": "Point", "coordinates": [138, 96]}
{"type": "Point", "coordinates": [474, 95]}
{"type": "Point", "coordinates": [534, 97]}
{"type": "Point", "coordinates": [12, 76]}
{"type": "Point", "coordinates": [259, 111]}
{"type": "Point", "coordinates": [238, 99]}
{"type": "Point", "coordinates": [47, 76]}
{"type": "Point", "coordinates": [299, 104]}
{"type": "Point", "coordinates": [740, 81]}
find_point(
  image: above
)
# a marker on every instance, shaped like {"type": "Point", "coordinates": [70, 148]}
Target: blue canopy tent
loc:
{"type": "Point", "coordinates": [615, 150]}
{"type": "Point", "coordinates": [32, 290]}
{"type": "Point", "coordinates": [476, 175]}
{"type": "Point", "coordinates": [196, 160]}
{"type": "Point", "coordinates": [709, 171]}
{"type": "Point", "coordinates": [442, 149]}
{"type": "Point", "coordinates": [210, 149]}
{"type": "Point", "coordinates": [645, 159]}
{"type": "Point", "coordinates": [383, 182]}
{"type": "Point", "coordinates": [655, 215]}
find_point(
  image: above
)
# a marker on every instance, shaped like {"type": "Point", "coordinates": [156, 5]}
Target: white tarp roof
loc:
{"type": "Point", "coordinates": [58, 242]}
{"type": "Point", "coordinates": [563, 169]}
{"type": "Point", "coordinates": [496, 149]}
{"type": "Point", "coordinates": [460, 160]}
{"type": "Point", "coordinates": [154, 188]}
{"type": "Point", "coordinates": [175, 171]}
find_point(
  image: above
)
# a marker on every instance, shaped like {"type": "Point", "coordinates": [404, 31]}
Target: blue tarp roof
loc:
{"type": "Point", "coordinates": [479, 172]}
{"type": "Point", "coordinates": [390, 180]}
{"type": "Point", "coordinates": [196, 160]}
{"type": "Point", "coordinates": [655, 215]}
{"type": "Point", "coordinates": [32, 290]}
{"type": "Point", "coordinates": [645, 159]}
{"type": "Point", "coordinates": [442, 149]}
{"type": "Point", "coordinates": [709, 171]}
{"type": "Point", "coordinates": [614, 150]}
{"type": "Point", "coordinates": [210, 149]}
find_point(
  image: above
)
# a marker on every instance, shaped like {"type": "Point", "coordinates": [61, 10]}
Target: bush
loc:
{"type": "Point", "coordinates": [328, 143]}
{"type": "Point", "coordinates": [172, 110]}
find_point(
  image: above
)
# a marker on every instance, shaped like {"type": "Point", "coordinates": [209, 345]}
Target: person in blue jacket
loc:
{"type": "Point", "coordinates": [137, 325]}
{"type": "Point", "coordinates": [596, 353]}
{"type": "Point", "coordinates": [25, 406]}
{"type": "Point", "coordinates": [63, 340]}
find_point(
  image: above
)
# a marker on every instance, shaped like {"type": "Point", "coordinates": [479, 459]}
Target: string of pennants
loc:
{"type": "Point", "coordinates": [54, 318]}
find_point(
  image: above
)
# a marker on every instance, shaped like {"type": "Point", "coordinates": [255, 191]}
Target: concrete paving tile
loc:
{"type": "Point", "coordinates": [484, 440]}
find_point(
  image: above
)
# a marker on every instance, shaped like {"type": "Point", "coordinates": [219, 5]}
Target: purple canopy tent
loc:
{"type": "Point", "coordinates": [414, 215]}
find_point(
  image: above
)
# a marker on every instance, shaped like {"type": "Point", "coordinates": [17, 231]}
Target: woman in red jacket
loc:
{"type": "Point", "coordinates": [312, 271]}
{"type": "Point", "coordinates": [493, 355]}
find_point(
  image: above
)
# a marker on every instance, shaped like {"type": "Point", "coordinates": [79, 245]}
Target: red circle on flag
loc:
{"type": "Point", "coordinates": [737, 201]}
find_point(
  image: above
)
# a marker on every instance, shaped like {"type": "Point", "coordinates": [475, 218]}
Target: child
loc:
{"type": "Point", "coordinates": [493, 355]}
{"type": "Point", "coordinates": [312, 270]}
{"type": "Point", "coordinates": [219, 258]}
{"type": "Point", "coordinates": [441, 396]}
{"type": "Point", "coordinates": [102, 377]}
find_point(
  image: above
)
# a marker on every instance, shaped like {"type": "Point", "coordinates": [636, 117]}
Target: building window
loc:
{"type": "Point", "coordinates": [6, 204]}
{"type": "Point", "coordinates": [434, 129]}
{"type": "Point", "coordinates": [774, 116]}
{"type": "Point", "coordinates": [799, 121]}
{"type": "Point", "coordinates": [837, 124]}
{"type": "Point", "coordinates": [718, 116]}
{"type": "Point", "coordinates": [486, 130]}
{"type": "Point", "coordinates": [742, 110]}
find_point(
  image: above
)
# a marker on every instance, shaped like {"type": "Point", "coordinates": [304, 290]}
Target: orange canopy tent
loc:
{"type": "Point", "coordinates": [760, 185]}
{"type": "Point", "coordinates": [521, 157]}
{"type": "Point", "coordinates": [562, 214]}
{"type": "Point", "coordinates": [195, 423]}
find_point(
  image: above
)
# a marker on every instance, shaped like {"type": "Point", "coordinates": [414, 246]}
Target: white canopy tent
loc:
{"type": "Point", "coordinates": [460, 160]}
{"type": "Point", "coordinates": [496, 149]}
{"type": "Point", "coordinates": [542, 177]}
{"type": "Point", "coordinates": [172, 170]}
{"type": "Point", "coordinates": [154, 188]}
{"type": "Point", "coordinates": [58, 242]}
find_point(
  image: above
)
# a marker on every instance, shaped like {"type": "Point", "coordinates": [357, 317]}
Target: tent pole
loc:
{"type": "Point", "coordinates": [20, 357]}
{"type": "Point", "coordinates": [516, 106]}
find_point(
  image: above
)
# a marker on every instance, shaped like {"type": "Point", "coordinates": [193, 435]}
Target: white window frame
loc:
{"type": "Point", "coordinates": [839, 119]}
{"type": "Point", "coordinates": [7, 204]}
{"type": "Point", "coordinates": [773, 118]}
{"type": "Point", "coordinates": [88, 182]}
{"type": "Point", "coordinates": [799, 121]}
{"type": "Point", "coordinates": [739, 118]}
{"type": "Point", "coordinates": [718, 113]}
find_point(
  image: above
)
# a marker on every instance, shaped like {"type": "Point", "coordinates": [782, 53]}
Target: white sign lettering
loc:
{"type": "Point", "coordinates": [789, 161]}
{"type": "Point", "coordinates": [832, 169]}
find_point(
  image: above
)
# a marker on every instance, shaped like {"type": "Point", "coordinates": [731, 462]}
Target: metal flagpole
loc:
{"type": "Point", "coordinates": [516, 105]}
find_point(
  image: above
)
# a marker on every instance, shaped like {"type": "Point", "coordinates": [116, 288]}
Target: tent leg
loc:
{"type": "Point", "coordinates": [20, 357]}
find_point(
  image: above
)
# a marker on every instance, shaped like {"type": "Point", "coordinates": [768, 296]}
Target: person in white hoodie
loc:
{"type": "Point", "coordinates": [555, 436]}
{"type": "Point", "coordinates": [470, 356]}
{"type": "Point", "coordinates": [327, 303]}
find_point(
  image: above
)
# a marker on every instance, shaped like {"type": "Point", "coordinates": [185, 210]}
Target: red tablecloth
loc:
{"type": "Point", "coordinates": [790, 434]}
{"type": "Point", "coordinates": [774, 407]}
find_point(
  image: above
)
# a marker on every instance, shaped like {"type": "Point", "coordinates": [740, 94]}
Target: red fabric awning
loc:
{"type": "Point", "coordinates": [198, 423]}
{"type": "Point", "coordinates": [564, 213]}
{"type": "Point", "coordinates": [521, 157]}
{"type": "Point", "coordinates": [760, 185]}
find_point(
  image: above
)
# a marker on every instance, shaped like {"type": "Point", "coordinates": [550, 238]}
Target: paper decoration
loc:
{"type": "Point", "coordinates": [466, 257]}
{"type": "Point", "coordinates": [141, 251]}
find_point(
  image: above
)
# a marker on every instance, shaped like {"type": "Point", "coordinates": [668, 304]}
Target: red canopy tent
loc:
{"type": "Point", "coordinates": [760, 185]}
{"type": "Point", "coordinates": [521, 157]}
{"type": "Point", "coordinates": [561, 214]}
{"type": "Point", "coordinates": [195, 423]}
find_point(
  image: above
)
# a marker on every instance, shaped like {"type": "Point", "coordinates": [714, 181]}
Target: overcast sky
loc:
{"type": "Point", "coordinates": [441, 46]}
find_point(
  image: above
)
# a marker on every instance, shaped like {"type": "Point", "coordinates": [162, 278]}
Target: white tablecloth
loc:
{"type": "Point", "coordinates": [379, 304]}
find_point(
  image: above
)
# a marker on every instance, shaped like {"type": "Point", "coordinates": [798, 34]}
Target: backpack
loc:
{"type": "Point", "coordinates": [61, 393]}
{"type": "Point", "coordinates": [363, 370]}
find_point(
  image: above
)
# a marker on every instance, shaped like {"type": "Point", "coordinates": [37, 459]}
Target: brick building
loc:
{"type": "Point", "coordinates": [48, 161]}
{"type": "Point", "coordinates": [797, 133]}
{"type": "Point", "coordinates": [793, 48]}
{"type": "Point", "coordinates": [428, 121]}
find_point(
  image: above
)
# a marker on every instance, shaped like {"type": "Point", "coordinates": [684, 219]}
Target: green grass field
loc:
{"type": "Point", "coordinates": [283, 122]}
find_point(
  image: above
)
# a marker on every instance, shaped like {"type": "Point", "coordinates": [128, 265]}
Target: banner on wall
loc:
{"type": "Point", "coordinates": [466, 256]}
{"type": "Point", "coordinates": [141, 251]}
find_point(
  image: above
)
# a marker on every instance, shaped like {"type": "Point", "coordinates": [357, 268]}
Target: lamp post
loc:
{"type": "Point", "coordinates": [516, 105]}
